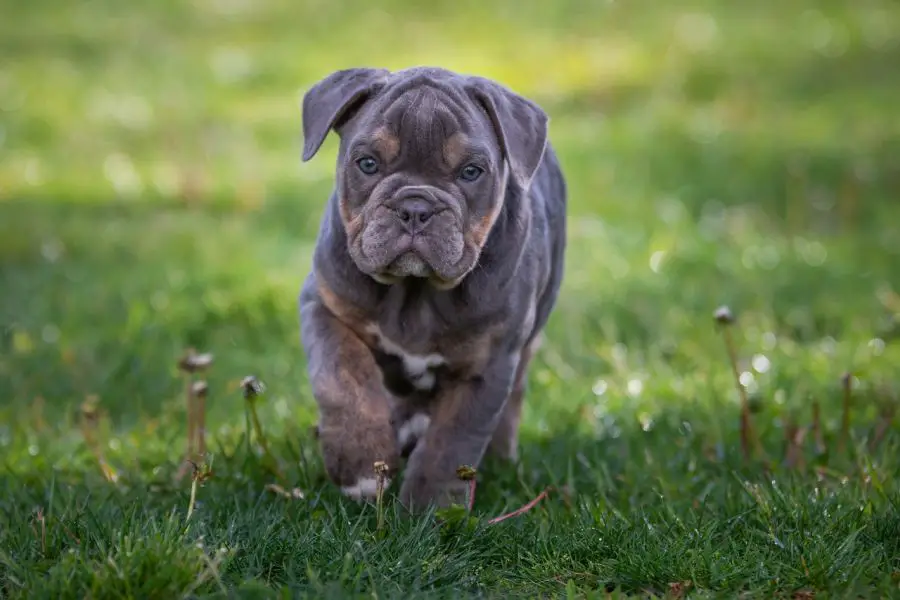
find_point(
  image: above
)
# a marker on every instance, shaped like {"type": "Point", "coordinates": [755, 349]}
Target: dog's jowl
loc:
{"type": "Point", "coordinates": [437, 264]}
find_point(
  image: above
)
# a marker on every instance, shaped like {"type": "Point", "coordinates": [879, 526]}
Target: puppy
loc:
{"type": "Point", "coordinates": [438, 261]}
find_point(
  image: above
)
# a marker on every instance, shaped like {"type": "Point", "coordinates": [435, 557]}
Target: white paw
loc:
{"type": "Point", "coordinates": [413, 429]}
{"type": "Point", "coordinates": [364, 488]}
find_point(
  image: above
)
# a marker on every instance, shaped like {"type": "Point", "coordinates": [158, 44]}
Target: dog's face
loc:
{"type": "Point", "coordinates": [425, 159]}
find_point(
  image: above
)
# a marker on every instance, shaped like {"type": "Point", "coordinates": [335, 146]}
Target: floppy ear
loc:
{"type": "Point", "coordinates": [331, 99]}
{"type": "Point", "coordinates": [521, 127]}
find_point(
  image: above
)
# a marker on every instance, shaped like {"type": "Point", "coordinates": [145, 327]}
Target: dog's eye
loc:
{"type": "Point", "coordinates": [367, 165]}
{"type": "Point", "coordinates": [471, 173]}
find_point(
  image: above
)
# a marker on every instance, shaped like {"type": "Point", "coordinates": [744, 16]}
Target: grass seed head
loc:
{"type": "Point", "coordinates": [192, 362]}
{"type": "Point", "coordinates": [252, 387]}
{"type": "Point", "coordinates": [466, 472]}
{"type": "Point", "coordinates": [723, 316]}
{"type": "Point", "coordinates": [202, 472]}
{"type": "Point", "coordinates": [200, 388]}
{"type": "Point", "coordinates": [90, 409]}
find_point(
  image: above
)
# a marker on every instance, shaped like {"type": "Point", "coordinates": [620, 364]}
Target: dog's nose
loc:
{"type": "Point", "coordinates": [414, 212]}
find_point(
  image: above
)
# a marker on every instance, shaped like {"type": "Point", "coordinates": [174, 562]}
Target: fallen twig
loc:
{"type": "Point", "coordinates": [70, 534]}
{"type": "Point", "coordinates": [523, 509]}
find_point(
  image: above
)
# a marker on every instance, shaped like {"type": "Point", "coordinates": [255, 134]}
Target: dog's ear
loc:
{"type": "Point", "coordinates": [333, 99]}
{"type": "Point", "coordinates": [520, 124]}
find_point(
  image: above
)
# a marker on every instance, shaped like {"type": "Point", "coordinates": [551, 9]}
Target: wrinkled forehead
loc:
{"type": "Point", "coordinates": [420, 118]}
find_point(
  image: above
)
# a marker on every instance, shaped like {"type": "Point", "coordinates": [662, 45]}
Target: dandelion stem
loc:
{"type": "Point", "coordinates": [193, 499]}
{"type": "Point", "coordinates": [847, 383]}
{"type": "Point", "coordinates": [380, 476]}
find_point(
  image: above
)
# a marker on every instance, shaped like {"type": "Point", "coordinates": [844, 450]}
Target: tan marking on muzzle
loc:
{"type": "Point", "coordinates": [481, 227]}
{"type": "Point", "coordinates": [353, 223]}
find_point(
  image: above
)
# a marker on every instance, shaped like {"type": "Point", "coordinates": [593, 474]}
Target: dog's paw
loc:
{"type": "Point", "coordinates": [365, 488]}
{"type": "Point", "coordinates": [350, 455]}
{"type": "Point", "coordinates": [419, 491]}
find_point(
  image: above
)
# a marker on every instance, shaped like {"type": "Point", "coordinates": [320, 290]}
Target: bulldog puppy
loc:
{"type": "Point", "coordinates": [437, 264]}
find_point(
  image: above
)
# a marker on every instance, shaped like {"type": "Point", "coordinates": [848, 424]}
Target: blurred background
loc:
{"type": "Point", "coordinates": [152, 195]}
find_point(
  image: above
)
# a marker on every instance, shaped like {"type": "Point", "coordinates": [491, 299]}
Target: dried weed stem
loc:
{"type": "Point", "coordinates": [725, 319]}
{"type": "Point", "coordinates": [523, 509]}
{"type": "Point", "coordinates": [847, 385]}
{"type": "Point", "coordinates": [468, 474]}
{"type": "Point", "coordinates": [381, 472]}
{"type": "Point", "coordinates": [90, 418]}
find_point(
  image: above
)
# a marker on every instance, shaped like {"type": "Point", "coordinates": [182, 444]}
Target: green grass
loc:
{"type": "Point", "coordinates": [152, 198]}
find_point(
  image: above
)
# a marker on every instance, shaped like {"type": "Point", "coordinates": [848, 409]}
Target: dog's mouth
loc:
{"type": "Point", "coordinates": [390, 255]}
{"type": "Point", "coordinates": [410, 264]}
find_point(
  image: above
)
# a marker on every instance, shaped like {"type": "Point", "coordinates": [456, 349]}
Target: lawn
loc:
{"type": "Point", "coordinates": [732, 154]}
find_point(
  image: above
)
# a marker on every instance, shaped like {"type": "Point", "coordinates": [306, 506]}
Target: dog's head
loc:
{"type": "Point", "coordinates": [425, 159]}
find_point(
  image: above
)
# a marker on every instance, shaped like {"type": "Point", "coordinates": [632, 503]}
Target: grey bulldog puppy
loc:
{"type": "Point", "coordinates": [437, 264]}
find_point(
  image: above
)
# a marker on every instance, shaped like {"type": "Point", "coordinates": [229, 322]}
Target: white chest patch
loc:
{"type": "Point", "coordinates": [419, 368]}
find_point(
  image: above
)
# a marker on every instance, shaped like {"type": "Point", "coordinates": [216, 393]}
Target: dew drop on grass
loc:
{"type": "Point", "coordinates": [656, 260]}
{"type": "Point", "coordinates": [33, 172]}
{"type": "Point", "coordinates": [282, 409]}
{"type": "Point", "coordinates": [768, 257]}
{"type": "Point", "coordinates": [159, 300]}
{"type": "Point", "coordinates": [33, 450]}
{"type": "Point", "coordinates": [122, 175]}
{"type": "Point", "coordinates": [761, 363]}
{"type": "Point", "coordinates": [828, 345]}
{"type": "Point", "coordinates": [50, 333]}
{"type": "Point", "coordinates": [876, 345]}
{"type": "Point", "coordinates": [52, 250]}
{"type": "Point", "coordinates": [599, 388]}
{"type": "Point", "coordinates": [747, 379]}
{"type": "Point", "coordinates": [231, 65]}
{"type": "Point", "coordinates": [635, 387]}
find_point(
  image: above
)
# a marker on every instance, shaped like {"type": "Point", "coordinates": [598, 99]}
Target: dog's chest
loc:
{"type": "Point", "coordinates": [404, 372]}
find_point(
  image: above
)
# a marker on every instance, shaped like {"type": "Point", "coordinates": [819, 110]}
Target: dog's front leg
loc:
{"type": "Point", "coordinates": [464, 418]}
{"type": "Point", "coordinates": [355, 428]}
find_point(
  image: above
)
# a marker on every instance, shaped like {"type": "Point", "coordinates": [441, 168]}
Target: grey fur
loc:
{"type": "Point", "coordinates": [460, 276]}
